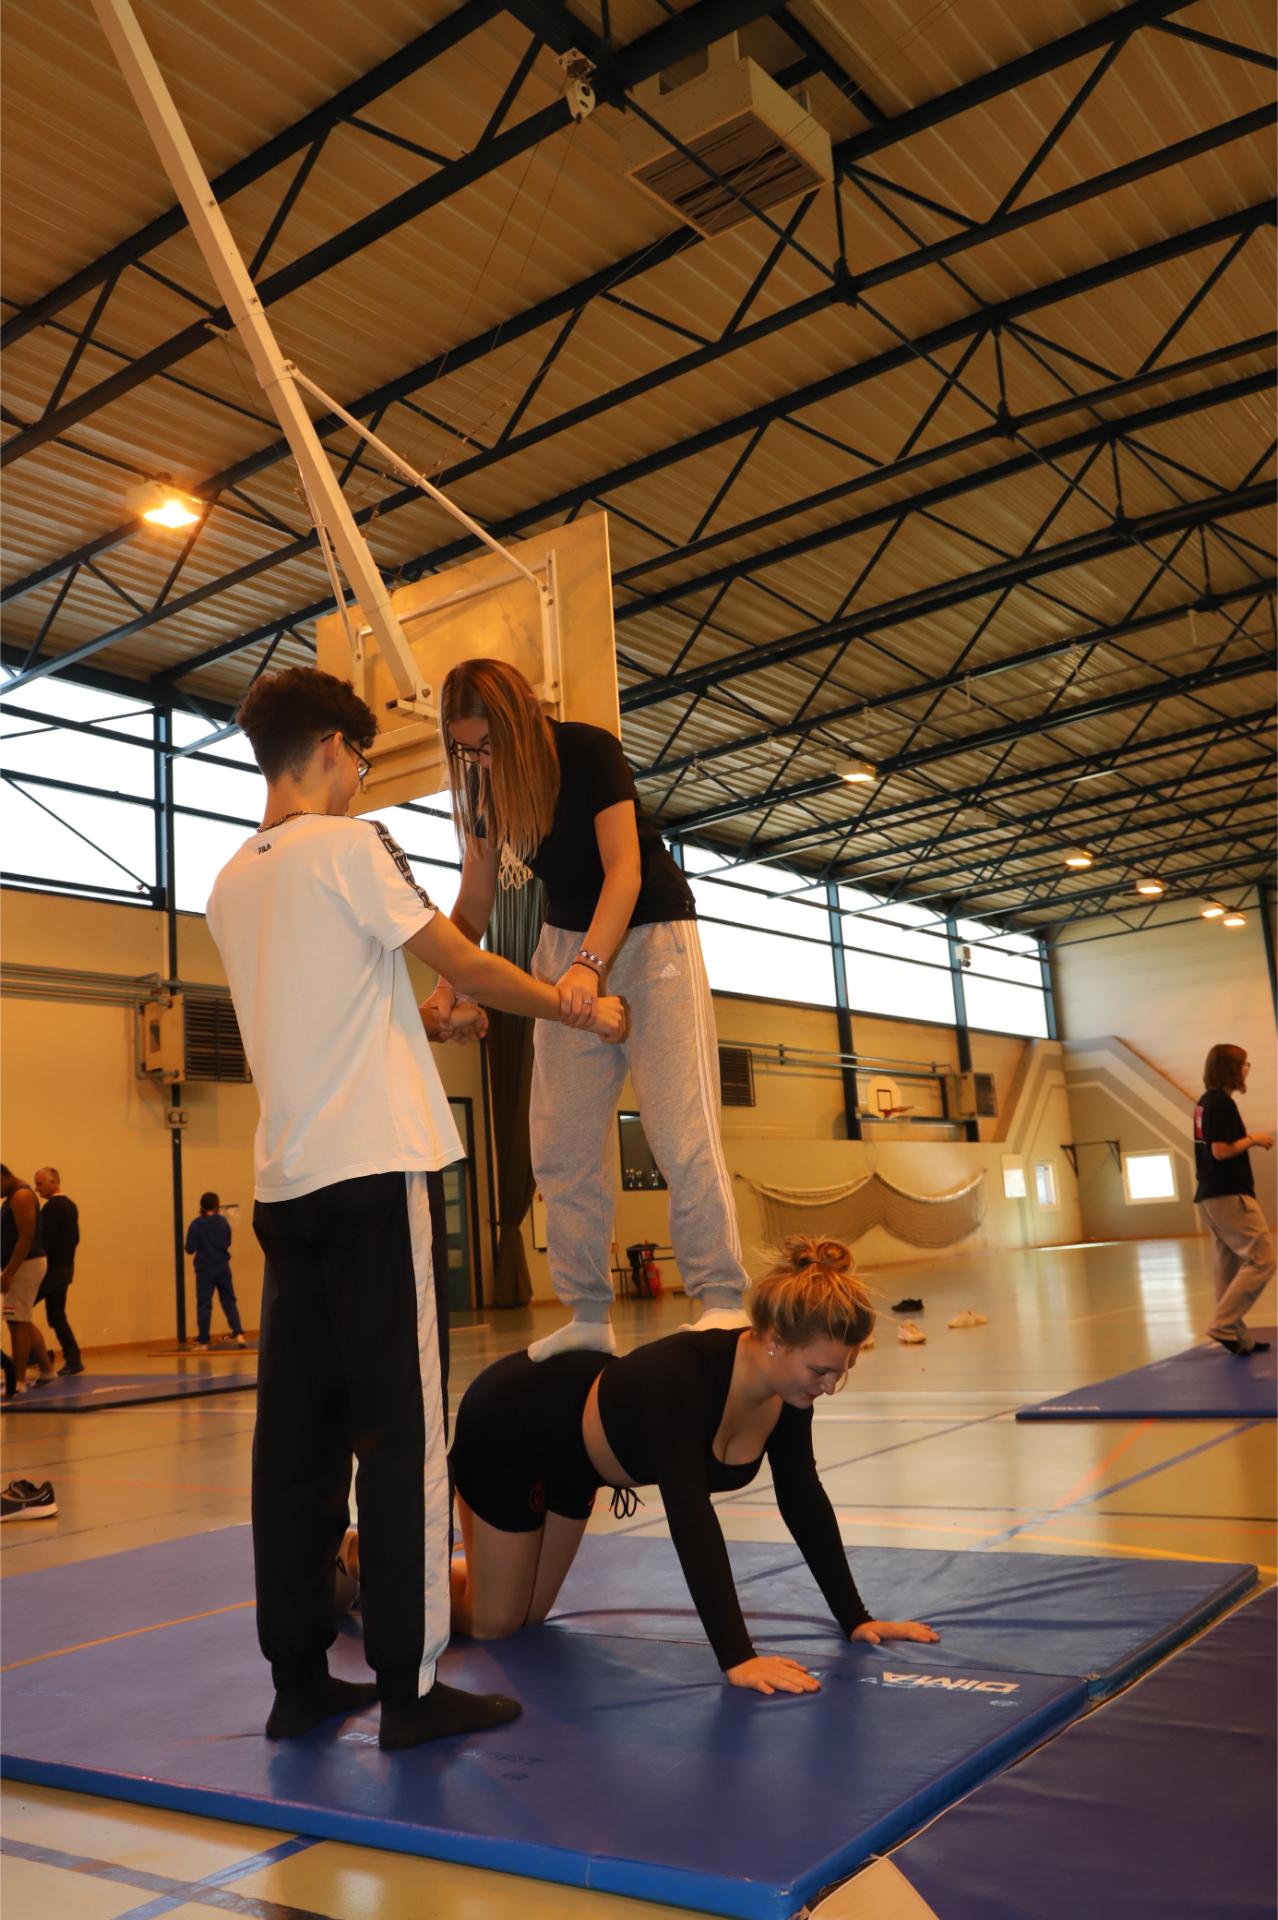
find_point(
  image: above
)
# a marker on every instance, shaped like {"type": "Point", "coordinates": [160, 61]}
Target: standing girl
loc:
{"type": "Point", "coordinates": [1226, 1193]}
{"type": "Point", "coordinates": [532, 795]}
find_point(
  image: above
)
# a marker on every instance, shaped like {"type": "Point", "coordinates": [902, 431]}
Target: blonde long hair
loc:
{"type": "Point", "coordinates": [514, 796]}
{"type": "Point", "coordinates": [812, 1293]}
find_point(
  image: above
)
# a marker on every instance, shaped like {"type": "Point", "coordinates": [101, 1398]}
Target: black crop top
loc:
{"type": "Point", "coordinates": [661, 1407]}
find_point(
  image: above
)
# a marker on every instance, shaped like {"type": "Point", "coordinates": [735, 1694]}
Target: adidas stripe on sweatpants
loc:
{"type": "Point", "coordinates": [353, 1362]}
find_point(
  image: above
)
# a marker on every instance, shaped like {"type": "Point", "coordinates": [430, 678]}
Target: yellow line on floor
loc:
{"type": "Point", "coordinates": [130, 1633]}
{"type": "Point", "coordinates": [1102, 1466]}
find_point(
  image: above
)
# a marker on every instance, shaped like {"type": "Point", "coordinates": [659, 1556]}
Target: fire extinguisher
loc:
{"type": "Point", "coordinates": [651, 1271]}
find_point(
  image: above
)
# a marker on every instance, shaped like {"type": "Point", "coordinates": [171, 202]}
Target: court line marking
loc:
{"type": "Point", "coordinates": [176, 1893]}
{"type": "Point", "coordinates": [1102, 1466]}
{"type": "Point", "coordinates": [129, 1633]}
{"type": "Point", "coordinates": [1117, 1486]}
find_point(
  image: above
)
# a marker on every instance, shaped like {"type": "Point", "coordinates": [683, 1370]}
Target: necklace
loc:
{"type": "Point", "coordinates": [268, 826]}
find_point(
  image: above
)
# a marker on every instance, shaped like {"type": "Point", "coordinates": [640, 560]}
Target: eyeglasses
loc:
{"type": "Point", "coordinates": [361, 764]}
{"type": "Point", "coordinates": [469, 756]}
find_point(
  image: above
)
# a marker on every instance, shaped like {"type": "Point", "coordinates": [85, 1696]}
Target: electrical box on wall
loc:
{"type": "Point", "coordinates": [190, 1036]}
{"type": "Point", "coordinates": [972, 1096]}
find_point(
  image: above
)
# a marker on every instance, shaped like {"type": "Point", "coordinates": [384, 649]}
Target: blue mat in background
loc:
{"type": "Point", "coordinates": [90, 1392]}
{"type": "Point", "coordinates": [1204, 1383]}
{"type": "Point", "coordinates": [634, 1769]}
{"type": "Point", "coordinates": [1161, 1803]}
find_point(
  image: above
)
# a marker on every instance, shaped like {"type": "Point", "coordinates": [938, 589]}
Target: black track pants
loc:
{"type": "Point", "coordinates": [353, 1361]}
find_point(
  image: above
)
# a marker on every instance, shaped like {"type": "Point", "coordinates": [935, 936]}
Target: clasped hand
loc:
{"type": "Point", "coordinates": [445, 1017]}
{"type": "Point", "coordinates": [581, 1005]}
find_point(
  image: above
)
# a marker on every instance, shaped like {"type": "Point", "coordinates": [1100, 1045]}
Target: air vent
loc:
{"type": "Point", "coordinates": [986, 1096]}
{"type": "Point", "coordinates": [736, 1076]}
{"type": "Point", "coordinates": [736, 120]}
{"type": "Point", "coordinates": [214, 1049]}
{"type": "Point", "coordinates": [972, 1096]}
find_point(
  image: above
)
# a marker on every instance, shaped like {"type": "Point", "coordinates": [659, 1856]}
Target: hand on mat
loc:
{"type": "Point", "coordinates": [773, 1673]}
{"type": "Point", "coordinates": [876, 1630]}
{"type": "Point", "coordinates": [609, 1018]}
{"type": "Point", "coordinates": [578, 996]}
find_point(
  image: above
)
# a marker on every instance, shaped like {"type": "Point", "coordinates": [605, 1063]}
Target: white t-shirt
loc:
{"type": "Point", "coordinates": [310, 919]}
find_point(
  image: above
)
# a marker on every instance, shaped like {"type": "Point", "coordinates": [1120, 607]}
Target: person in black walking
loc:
{"type": "Point", "coordinates": [60, 1222]}
{"type": "Point", "coordinates": [1243, 1252]}
{"type": "Point", "coordinates": [208, 1241]}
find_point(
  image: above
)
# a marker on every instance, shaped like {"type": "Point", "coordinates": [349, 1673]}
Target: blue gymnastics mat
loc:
{"type": "Point", "coordinates": [1203, 1383]}
{"type": "Point", "coordinates": [1162, 1802]}
{"type": "Point", "coordinates": [89, 1392]}
{"type": "Point", "coordinates": [635, 1769]}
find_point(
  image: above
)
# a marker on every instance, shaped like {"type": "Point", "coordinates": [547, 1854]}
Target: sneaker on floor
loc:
{"type": "Point", "coordinates": [908, 1305]}
{"type": "Point", "coordinates": [72, 1367]}
{"type": "Point", "coordinates": [201, 1346]}
{"type": "Point", "coordinates": [969, 1319]}
{"type": "Point", "coordinates": [1236, 1346]}
{"type": "Point", "coordinates": [909, 1335]}
{"type": "Point", "coordinates": [238, 1340]}
{"type": "Point", "coordinates": [29, 1487]}
{"type": "Point", "coordinates": [26, 1502]}
{"type": "Point", "coordinates": [44, 1379]}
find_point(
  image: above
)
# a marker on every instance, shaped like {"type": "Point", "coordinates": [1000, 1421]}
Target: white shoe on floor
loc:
{"type": "Point", "coordinates": [576, 1336]}
{"type": "Point", "coordinates": [726, 1319]}
{"type": "Point", "coordinates": [969, 1319]}
{"type": "Point", "coordinates": [911, 1336]}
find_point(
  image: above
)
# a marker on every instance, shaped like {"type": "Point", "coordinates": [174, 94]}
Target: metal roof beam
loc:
{"type": "Point", "coordinates": [1174, 880]}
{"type": "Point", "coordinates": [945, 682]}
{"type": "Point", "coordinates": [1148, 692]}
{"type": "Point", "coordinates": [1083, 550]}
{"type": "Point", "coordinates": [1107, 760]}
{"type": "Point", "coordinates": [1107, 431]}
{"type": "Point", "coordinates": [700, 24]}
{"type": "Point", "coordinates": [410, 59]}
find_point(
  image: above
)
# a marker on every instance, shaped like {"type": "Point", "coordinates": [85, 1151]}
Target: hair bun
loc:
{"type": "Point", "coordinates": [832, 1256]}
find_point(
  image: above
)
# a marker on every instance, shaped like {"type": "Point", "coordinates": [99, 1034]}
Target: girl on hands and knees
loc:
{"type": "Point", "coordinates": [534, 1443]}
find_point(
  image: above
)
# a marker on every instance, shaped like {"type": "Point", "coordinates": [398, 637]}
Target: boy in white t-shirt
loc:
{"type": "Point", "coordinates": [312, 916]}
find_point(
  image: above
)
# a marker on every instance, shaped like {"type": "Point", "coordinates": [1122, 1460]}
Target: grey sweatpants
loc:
{"type": "Point", "coordinates": [1244, 1259]}
{"type": "Point", "coordinates": [673, 1061]}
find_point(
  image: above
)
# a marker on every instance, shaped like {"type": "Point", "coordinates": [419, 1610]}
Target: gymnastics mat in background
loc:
{"type": "Point", "coordinates": [1160, 1803]}
{"type": "Point", "coordinates": [1203, 1383]}
{"type": "Point", "coordinates": [90, 1392]}
{"type": "Point", "coordinates": [634, 1769]}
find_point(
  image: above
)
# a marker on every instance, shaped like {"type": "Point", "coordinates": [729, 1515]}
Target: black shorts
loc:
{"type": "Point", "coordinates": [517, 1450]}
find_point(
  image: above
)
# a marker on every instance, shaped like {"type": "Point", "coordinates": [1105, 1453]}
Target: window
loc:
{"type": "Point", "coordinates": [1001, 1007]}
{"type": "Point", "coordinates": [897, 958]}
{"type": "Point", "coordinates": [1045, 1185]}
{"type": "Point", "coordinates": [775, 948]}
{"type": "Point", "coordinates": [1013, 1179]}
{"type": "Point", "coordinates": [639, 1171]}
{"type": "Point", "coordinates": [1148, 1176]}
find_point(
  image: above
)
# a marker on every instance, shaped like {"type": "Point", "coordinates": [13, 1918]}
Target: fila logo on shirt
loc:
{"type": "Point", "coordinates": [950, 1685]}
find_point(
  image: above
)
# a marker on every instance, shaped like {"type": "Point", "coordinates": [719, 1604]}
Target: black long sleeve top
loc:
{"type": "Point", "coordinates": [661, 1407]}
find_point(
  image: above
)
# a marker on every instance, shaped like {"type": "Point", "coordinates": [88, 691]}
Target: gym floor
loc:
{"type": "Point", "coordinates": [920, 1450]}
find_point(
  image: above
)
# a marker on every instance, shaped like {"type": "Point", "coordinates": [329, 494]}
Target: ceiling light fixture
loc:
{"type": "Point", "coordinates": [857, 773]}
{"type": "Point", "coordinates": [1150, 887]}
{"type": "Point", "coordinates": [161, 504]}
{"type": "Point", "coordinates": [1077, 857]}
{"type": "Point", "coordinates": [1213, 910]}
{"type": "Point", "coordinates": [1234, 920]}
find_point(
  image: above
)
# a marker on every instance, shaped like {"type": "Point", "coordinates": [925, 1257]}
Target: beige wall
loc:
{"type": "Point", "coordinates": [1171, 993]}
{"type": "Point", "coordinates": [71, 1097]}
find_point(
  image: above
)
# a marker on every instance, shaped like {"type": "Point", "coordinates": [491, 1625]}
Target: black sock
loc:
{"type": "Point", "coordinates": [297, 1710]}
{"type": "Point", "coordinates": [441, 1712]}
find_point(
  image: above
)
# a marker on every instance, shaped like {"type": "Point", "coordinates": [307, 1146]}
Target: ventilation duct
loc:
{"type": "Point", "coordinates": [735, 119]}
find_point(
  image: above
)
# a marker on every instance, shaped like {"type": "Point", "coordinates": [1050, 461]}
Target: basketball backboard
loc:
{"type": "Point", "coordinates": [558, 632]}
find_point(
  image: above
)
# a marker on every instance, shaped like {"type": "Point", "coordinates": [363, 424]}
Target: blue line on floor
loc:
{"type": "Point", "coordinates": [219, 1883]}
{"type": "Point", "coordinates": [1115, 1486]}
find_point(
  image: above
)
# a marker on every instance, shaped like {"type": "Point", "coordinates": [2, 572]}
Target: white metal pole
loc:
{"type": "Point", "coordinates": [182, 164]}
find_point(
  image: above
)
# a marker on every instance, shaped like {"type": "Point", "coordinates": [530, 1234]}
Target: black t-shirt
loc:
{"type": "Point", "coordinates": [9, 1235]}
{"type": "Point", "coordinates": [60, 1225]}
{"type": "Point", "coordinates": [661, 1407]}
{"type": "Point", "coordinates": [594, 775]}
{"type": "Point", "coordinates": [1216, 1117]}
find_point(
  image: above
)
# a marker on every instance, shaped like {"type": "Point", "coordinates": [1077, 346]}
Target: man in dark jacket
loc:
{"type": "Point", "coordinates": [60, 1222]}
